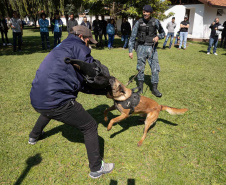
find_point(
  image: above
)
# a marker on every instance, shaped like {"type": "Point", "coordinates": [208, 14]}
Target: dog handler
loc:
{"type": "Point", "coordinates": [55, 88]}
{"type": "Point", "coordinates": [145, 30]}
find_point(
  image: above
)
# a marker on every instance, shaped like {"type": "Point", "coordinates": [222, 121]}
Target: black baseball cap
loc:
{"type": "Point", "coordinates": [148, 8]}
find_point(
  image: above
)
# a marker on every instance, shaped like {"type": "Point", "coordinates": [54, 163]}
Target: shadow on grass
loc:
{"type": "Point", "coordinates": [72, 134]}
{"type": "Point", "coordinates": [31, 162]}
{"type": "Point", "coordinates": [129, 182]}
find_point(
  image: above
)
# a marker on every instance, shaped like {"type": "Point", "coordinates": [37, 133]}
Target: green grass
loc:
{"type": "Point", "coordinates": [186, 149]}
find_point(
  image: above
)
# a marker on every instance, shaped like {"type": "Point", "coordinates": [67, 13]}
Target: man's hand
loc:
{"type": "Point", "coordinates": [156, 39]}
{"type": "Point", "coordinates": [131, 55]}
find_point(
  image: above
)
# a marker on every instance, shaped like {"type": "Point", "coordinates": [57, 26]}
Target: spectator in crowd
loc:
{"type": "Point", "coordinates": [214, 36]}
{"type": "Point", "coordinates": [16, 25]}
{"type": "Point", "coordinates": [71, 22]}
{"type": "Point", "coordinates": [44, 31]}
{"type": "Point", "coordinates": [4, 31]}
{"type": "Point", "coordinates": [97, 28]}
{"type": "Point", "coordinates": [56, 25]}
{"type": "Point", "coordinates": [111, 33]}
{"type": "Point", "coordinates": [104, 26]}
{"type": "Point", "coordinates": [86, 23]}
{"type": "Point", "coordinates": [177, 38]}
{"type": "Point", "coordinates": [126, 31]}
{"type": "Point", "coordinates": [145, 30]}
{"type": "Point", "coordinates": [223, 36]}
{"type": "Point", "coordinates": [55, 89]}
{"type": "Point", "coordinates": [170, 27]}
{"type": "Point", "coordinates": [184, 25]}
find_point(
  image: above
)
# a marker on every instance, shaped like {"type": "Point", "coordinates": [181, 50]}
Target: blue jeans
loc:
{"type": "Point", "coordinates": [57, 38]}
{"type": "Point", "coordinates": [183, 37]}
{"type": "Point", "coordinates": [171, 35]}
{"type": "Point", "coordinates": [110, 40]}
{"type": "Point", "coordinates": [212, 41]}
{"type": "Point", "coordinates": [125, 38]}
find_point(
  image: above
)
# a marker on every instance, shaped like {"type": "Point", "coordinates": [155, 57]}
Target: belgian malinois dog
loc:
{"type": "Point", "coordinates": [145, 107]}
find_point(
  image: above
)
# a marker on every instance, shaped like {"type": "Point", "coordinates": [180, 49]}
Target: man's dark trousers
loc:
{"type": "Point", "coordinates": [72, 113]}
{"type": "Point", "coordinates": [45, 36]}
{"type": "Point", "coordinates": [17, 36]}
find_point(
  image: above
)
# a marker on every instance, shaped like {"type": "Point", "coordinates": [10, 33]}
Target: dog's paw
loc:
{"type": "Point", "coordinates": [139, 144]}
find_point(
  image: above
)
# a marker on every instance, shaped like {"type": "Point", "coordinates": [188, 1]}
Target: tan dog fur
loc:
{"type": "Point", "coordinates": [146, 106]}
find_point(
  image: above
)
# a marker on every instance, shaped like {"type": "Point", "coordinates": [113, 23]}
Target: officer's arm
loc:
{"type": "Point", "coordinates": [160, 30]}
{"type": "Point", "coordinates": [133, 37]}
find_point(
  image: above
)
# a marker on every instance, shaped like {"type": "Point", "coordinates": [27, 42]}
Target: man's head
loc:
{"type": "Point", "coordinates": [124, 19]}
{"type": "Point", "coordinates": [43, 15]}
{"type": "Point", "coordinates": [147, 10]}
{"type": "Point", "coordinates": [15, 14]}
{"type": "Point", "coordinates": [217, 20]}
{"type": "Point", "coordinates": [72, 16]}
{"type": "Point", "coordinates": [185, 18]}
{"type": "Point", "coordinates": [102, 17]}
{"type": "Point", "coordinates": [97, 17]}
{"type": "Point", "coordinates": [173, 19]}
{"type": "Point", "coordinates": [85, 19]}
{"type": "Point", "coordinates": [57, 16]}
{"type": "Point", "coordinates": [83, 33]}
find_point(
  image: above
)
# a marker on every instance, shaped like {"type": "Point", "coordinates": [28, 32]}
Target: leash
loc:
{"type": "Point", "coordinates": [141, 69]}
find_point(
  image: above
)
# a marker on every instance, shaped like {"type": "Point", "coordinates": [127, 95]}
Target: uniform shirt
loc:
{"type": "Point", "coordinates": [135, 31]}
{"type": "Point", "coordinates": [16, 22]}
{"type": "Point", "coordinates": [44, 24]}
{"type": "Point", "coordinates": [185, 23]}
{"type": "Point", "coordinates": [57, 82]}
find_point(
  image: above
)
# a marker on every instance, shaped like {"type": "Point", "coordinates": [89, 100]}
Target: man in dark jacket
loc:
{"type": "Point", "coordinates": [86, 23]}
{"type": "Point", "coordinates": [4, 31]}
{"type": "Point", "coordinates": [71, 23]}
{"type": "Point", "coordinates": [55, 88]}
{"type": "Point", "coordinates": [98, 28]}
{"type": "Point", "coordinates": [126, 31]}
{"type": "Point", "coordinates": [214, 36]}
{"type": "Point", "coordinates": [104, 26]}
{"type": "Point", "coordinates": [56, 25]}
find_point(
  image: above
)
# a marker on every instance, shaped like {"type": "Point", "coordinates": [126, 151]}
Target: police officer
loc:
{"type": "Point", "coordinates": [55, 88]}
{"type": "Point", "coordinates": [145, 30]}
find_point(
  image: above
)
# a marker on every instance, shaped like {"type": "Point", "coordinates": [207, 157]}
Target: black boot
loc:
{"type": "Point", "coordinates": [155, 90]}
{"type": "Point", "coordinates": [140, 86]}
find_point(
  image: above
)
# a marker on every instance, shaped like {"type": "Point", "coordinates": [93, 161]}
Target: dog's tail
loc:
{"type": "Point", "coordinates": [173, 111]}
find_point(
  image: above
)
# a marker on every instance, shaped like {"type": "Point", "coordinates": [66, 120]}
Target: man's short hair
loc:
{"type": "Point", "coordinates": [173, 17]}
{"type": "Point", "coordinates": [43, 14]}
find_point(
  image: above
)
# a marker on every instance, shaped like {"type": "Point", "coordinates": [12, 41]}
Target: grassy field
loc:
{"type": "Point", "coordinates": [186, 149]}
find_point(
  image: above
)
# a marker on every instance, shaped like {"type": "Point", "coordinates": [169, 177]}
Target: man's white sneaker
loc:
{"type": "Point", "coordinates": [105, 168]}
{"type": "Point", "coordinates": [215, 53]}
{"type": "Point", "coordinates": [208, 53]}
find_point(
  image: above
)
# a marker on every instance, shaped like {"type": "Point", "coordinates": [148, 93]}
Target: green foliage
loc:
{"type": "Point", "coordinates": [185, 149]}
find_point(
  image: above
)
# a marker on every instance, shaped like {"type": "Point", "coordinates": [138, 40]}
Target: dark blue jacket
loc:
{"type": "Point", "coordinates": [56, 82]}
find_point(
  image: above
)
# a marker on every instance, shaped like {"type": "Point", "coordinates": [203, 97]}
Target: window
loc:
{"type": "Point", "coordinates": [219, 12]}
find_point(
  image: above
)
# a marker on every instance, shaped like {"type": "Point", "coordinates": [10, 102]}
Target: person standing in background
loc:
{"type": "Point", "coordinates": [56, 25]}
{"type": "Point", "coordinates": [86, 23]}
{"type": "Point", "coordinates": [97, 28]}
{"type": "Point", "coordinates": [104, 33]}
{"type": "Point", "coordinates": [4, 31]}
{"type": "Point", "coordinates": [71, 23]}
{"type": "Point", "coordinates": [44, 31]}
{"type": "Point", "coordinates": [184, 25]}
{"type": "Point", "coordinates": [214, 36]}
{"type": "Point", "coordinates": [111, 33]}
{"type": "Point", "coordinates": [223, 36]}
{"type": "Point", "coordinates": [16, 25]}
{"type": "Point", "coordinates": [126, 31]}
{"type": "Point", "coordinates": [170, 27]}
